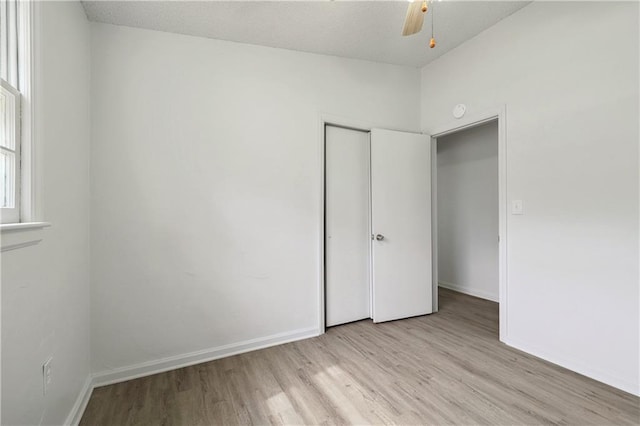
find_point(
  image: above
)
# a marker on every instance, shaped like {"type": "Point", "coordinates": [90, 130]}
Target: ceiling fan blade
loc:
{"type": "Point", "coordinates": [415, 18]}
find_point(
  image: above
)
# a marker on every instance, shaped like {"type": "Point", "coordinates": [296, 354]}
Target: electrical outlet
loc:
{"type": "Point", "coordinates": [46, 375]}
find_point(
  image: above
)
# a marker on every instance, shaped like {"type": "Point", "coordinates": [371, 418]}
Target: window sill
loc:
{"type": "Point", "coordinates": [5, 227]}
{"type": "Point", "coordinates": [20, 235]}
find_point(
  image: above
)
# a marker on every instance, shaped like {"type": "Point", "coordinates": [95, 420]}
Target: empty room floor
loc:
{"type": "Point", "coordinates": [447, 368]}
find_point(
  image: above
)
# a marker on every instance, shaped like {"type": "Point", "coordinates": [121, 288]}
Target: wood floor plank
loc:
{"type": "Point", "coordinates": [446, 368]}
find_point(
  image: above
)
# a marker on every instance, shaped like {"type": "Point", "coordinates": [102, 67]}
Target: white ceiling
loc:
{"type": "Point", "coordinates": [369, 30]}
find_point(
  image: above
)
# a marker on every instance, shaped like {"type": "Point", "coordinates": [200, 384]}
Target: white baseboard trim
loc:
{"type": "Point", "coordinates": [471, 292]}
{"type": "Point", "coordinates": [577, 366]}
{"type": "Point", "coordinates": [81, 403]}
{"type": "Point", "coordinates": [148, 368]}
{"type": "Point", "coordinates": [171, 363]}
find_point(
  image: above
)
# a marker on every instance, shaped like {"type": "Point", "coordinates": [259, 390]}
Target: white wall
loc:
{"type": "Point", "coordinates": [45, 288]}
{"type": "Point", "coordinates": [467, 180]}
{"type": "Point", "coordinates": [568, 75]}
{"type": "Point", "coordinates": [205, 186]}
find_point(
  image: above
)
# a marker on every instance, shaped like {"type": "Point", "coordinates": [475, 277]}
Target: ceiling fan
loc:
{"type": "Point", "coordinates": [415, 18]}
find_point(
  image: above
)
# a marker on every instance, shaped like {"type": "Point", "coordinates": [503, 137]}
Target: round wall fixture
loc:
{"type": "Point", "coordinates": [459, 110]}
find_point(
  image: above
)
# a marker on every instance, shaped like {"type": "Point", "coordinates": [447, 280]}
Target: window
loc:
{"type": "Point", "coordinates": [16, 105]}
{"type": "Point", "coordinates": [9, 153]}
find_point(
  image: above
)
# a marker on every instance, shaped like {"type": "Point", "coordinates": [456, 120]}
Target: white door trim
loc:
{"type": "Point", "coordinates": [500, 114]}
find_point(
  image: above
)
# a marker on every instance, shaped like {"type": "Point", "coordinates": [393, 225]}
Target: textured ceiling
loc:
{"type": "Point", "coordinates": [369, 30]}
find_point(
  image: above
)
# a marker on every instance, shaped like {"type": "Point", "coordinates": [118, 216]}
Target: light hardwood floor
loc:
{"type": "Point", "coordinates": [447, 368]}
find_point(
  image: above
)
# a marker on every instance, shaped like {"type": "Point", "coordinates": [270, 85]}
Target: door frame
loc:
{"type": "Point", "coordinates": [346, 123]}
{"type": "Point", "coordinates": [464, 123]}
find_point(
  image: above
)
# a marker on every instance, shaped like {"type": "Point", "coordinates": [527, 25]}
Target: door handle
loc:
{"type": "Point", "coordinates": [379, 237]}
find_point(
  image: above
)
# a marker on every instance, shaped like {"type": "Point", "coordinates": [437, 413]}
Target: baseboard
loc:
{"type": "Point", "coordinates": [471, 292]}
{"type": "Point", "coordinates": [122, 374]}
{"type": "Point", "coordinates": [617, 382]}
{"type": "Point", "coordinates": [81, 403]}
{"type": "Point", "coordinates": [171, 363]}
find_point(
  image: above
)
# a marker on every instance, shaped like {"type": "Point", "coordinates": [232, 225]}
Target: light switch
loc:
{"type": "Point", "coordinates": [516, 207]}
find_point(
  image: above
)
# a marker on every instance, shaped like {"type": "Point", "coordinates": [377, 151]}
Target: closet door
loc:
{"type": "Point", "coordinates": [347, 230]}
{"type": "Point", "coordinates": [401, 224]}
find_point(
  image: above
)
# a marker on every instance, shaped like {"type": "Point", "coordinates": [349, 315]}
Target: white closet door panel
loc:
{"type": "Point", "coordinates": [347, 230]}
{"type": "Point", "coordinates": [401, 215]}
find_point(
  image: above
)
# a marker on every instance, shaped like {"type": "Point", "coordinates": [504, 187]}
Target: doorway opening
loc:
{"type": "Point", "coordinates": [469, 211]}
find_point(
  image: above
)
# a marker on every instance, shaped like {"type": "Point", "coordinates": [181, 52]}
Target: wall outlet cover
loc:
{"type": "Point", "coordinates": [46, 375]}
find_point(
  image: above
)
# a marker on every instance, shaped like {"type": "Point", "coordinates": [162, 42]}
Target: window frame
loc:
{"type": "Point", "coordinates": [13, 130]}
{"type": "Point", "coordinates": [26, 61]}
